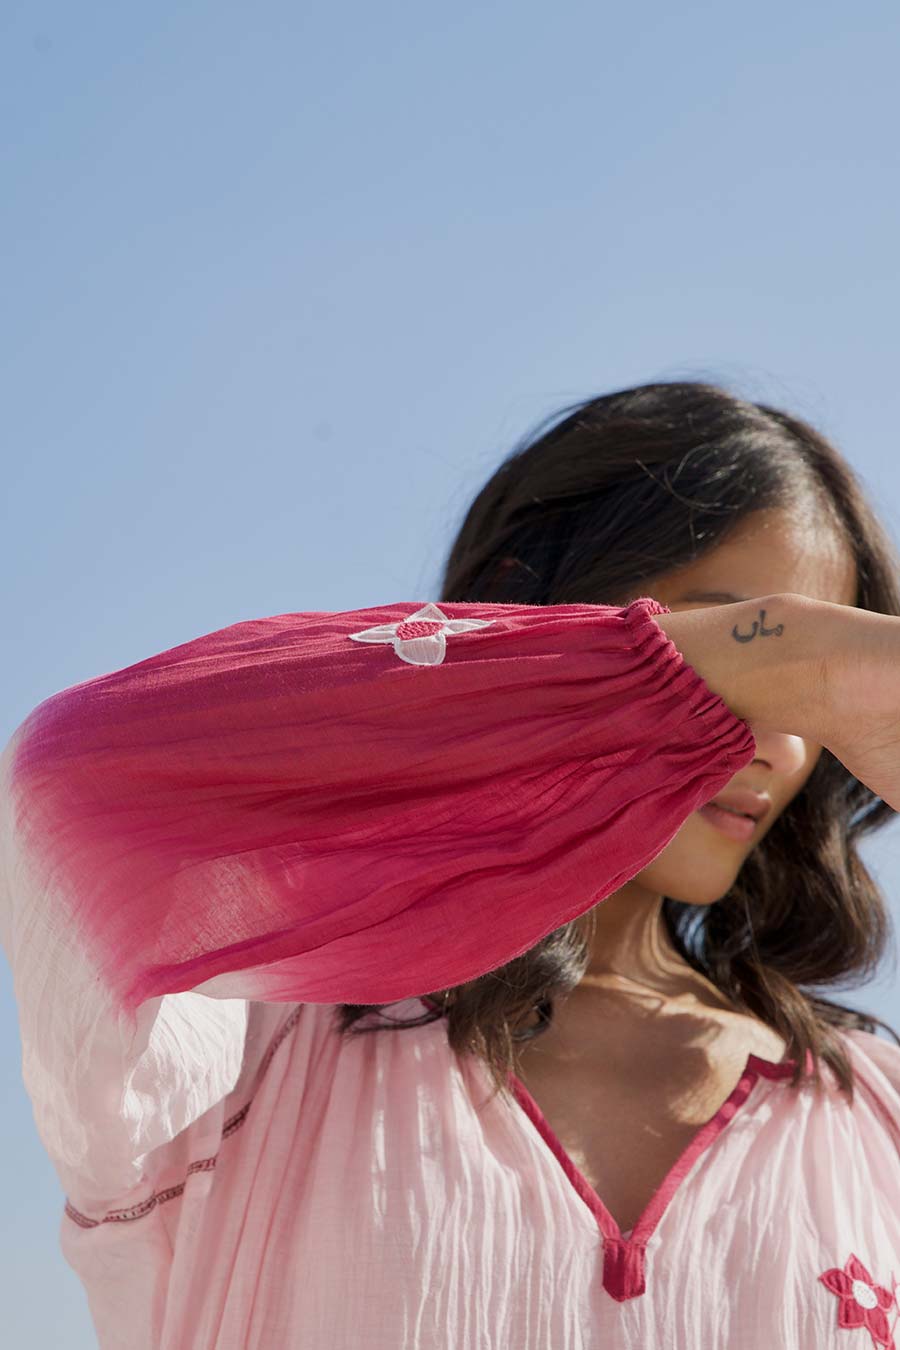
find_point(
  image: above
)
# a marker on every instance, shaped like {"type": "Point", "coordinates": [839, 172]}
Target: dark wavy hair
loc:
{"type": "Point", "coordinates": [597, 502]}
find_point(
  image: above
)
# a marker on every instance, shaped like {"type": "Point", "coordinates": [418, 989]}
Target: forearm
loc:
{"type": "Point", "coordinates": [766, 657]}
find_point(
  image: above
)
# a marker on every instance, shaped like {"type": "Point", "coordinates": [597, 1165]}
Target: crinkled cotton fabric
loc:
{"type": "Point", "coordinates": [206, 852]}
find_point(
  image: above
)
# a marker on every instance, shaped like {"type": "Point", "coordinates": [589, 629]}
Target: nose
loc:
{"type": "Point", "coordinates": [783, 753]}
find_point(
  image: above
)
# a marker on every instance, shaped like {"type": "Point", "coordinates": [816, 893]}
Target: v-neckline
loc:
{"type": "Point", "coordinates": [623, 1269]}
{"type": "Point", "coordinates": [623, 1263]}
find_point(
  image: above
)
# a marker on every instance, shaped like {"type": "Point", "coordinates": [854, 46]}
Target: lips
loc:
{"type": "Point", "coordinates": [746, 802]}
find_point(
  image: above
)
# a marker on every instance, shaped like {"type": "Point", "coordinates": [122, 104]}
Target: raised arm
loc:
{"type": "Point", "coordinates": [324, 807]}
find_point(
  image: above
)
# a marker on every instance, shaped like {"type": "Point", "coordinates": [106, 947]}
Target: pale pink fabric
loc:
{"type": "Point", "coordinates": [202, 854]}
{"type": "Point", "coordinates": [354, 1195]}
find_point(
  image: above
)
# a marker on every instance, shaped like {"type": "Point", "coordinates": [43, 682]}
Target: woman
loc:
{"type": "Point", "coordinates": [604, 1100]}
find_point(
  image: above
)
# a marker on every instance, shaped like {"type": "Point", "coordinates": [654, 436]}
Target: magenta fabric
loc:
{"type": "Point", "coordinates": [204, 852]}
{"type": "Point", "coordinates": [304, 813]}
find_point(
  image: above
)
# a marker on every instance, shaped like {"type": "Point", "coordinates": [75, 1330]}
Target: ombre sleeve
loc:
{"type": "Point", "coordinates": [357, 807]}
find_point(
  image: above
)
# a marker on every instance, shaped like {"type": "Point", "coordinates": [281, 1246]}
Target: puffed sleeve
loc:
{"type": "Point", "coordinates": [316, 807]}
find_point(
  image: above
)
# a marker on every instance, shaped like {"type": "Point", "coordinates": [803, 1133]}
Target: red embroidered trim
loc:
{"type": "Point", "coordinates": [233, 1123]}
{"type": "Point", "coordinates": [863, 1303]}
{"type": "Point", "coordinates": [624, 1274]}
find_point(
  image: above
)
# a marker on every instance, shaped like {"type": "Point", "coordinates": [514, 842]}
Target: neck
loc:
{"type": "Point", "coordinates": [639, 1003]}
{"type": "Point", "coordinates": [630, 950]}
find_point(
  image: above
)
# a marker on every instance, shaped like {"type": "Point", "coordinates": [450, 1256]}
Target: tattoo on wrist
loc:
{"type": "Point", "coordinates": [759, 628]}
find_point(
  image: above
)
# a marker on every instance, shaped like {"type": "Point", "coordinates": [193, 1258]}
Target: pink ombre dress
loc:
{"type": "Point", "coordinates": [204, 852]}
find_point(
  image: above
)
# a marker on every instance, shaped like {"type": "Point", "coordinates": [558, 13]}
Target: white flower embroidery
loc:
{"type": "Point", "coordinates": [420, 639]}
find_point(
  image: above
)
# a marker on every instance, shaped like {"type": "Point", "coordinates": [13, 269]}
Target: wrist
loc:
{"type": "Point", "coordinates": [767, 658]}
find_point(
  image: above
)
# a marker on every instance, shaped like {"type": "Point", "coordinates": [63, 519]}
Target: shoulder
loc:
{"type": "Point", "coordinates": [884, 1054]}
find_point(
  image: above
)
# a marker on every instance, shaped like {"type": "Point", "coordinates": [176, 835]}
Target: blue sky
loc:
{"type": "Point", "coordinates": [282, 284]}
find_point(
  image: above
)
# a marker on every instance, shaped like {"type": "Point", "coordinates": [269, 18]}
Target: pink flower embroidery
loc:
{"type": "Point", "coordinates": [863, 1303]}
{"type": "Point", "coordinates": [420, 639]}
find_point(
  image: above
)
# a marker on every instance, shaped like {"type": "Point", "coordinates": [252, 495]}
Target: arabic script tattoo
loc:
{"type": "Point", "coordinates": [758, 627]}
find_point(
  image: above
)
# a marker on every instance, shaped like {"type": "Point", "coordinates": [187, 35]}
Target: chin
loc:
{"type": "Point", "coordinates": [688, 897]}
{"type": "Point", "coordinates": [695, 868]}
{"type": "Point", "coordinates": [692, 883]}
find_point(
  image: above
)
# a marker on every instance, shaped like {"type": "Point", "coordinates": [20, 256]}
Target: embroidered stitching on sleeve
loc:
{"type": "Point", "coordinates": [420, 639]}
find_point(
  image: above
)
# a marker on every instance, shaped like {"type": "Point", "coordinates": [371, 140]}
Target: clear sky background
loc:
{"type": "Point", "coordinates": [283, 283]}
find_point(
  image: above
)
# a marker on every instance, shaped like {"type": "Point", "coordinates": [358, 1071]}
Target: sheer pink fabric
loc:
{"type": "Point", "coordinates": [205, 851]}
